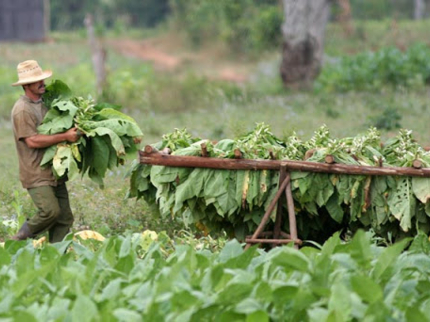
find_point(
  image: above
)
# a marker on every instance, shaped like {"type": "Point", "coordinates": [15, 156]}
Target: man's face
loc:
{"type": "Point", "coordinates": [37, 88]}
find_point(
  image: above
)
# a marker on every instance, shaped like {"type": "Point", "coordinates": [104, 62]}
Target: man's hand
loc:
{"type": "Point", "coordinates": [72, 135]}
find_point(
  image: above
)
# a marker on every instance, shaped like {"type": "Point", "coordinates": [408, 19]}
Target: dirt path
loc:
{"type": "Point", "coordinates": [146, 51]}
{"type": "Point", "coordinates": [164, 58]}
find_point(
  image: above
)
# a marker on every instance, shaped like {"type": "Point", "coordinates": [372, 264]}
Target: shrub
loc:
{"type": "Point", "coordinates": [372, 71]}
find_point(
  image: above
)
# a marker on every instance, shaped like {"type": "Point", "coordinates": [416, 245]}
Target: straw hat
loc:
{"type": "Point", "coordinates": [29, 72]}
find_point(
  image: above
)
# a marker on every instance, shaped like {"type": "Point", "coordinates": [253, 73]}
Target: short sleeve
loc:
{"type": "Point", "coordinates": [25, 125]}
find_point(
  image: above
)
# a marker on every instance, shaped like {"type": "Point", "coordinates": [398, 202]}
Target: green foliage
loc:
{"type": "Point", "coordinates": [373, 71]}
{"type": "Point", "coordinates": [245, 25]}
{"type": "Point", "coordinates": [236, 200]}
{"type": "Point", "coordinates": [108, 13]}
{"type": "Point", "coordinates": [154, 278]}
{"type": "Point", "coordinates": [388, 120]}
{"type": "Point", "coordinates": [108, 135]}
{"type": "Point", "coordinates": [380, 9]}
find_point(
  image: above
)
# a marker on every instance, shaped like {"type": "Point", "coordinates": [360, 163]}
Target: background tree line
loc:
{"type": "Point", "coordinates": [136, 13]}
{"type": "Point", "coordinates": [244, 26]}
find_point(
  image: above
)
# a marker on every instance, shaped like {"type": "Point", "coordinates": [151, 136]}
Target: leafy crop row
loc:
{"type": "Point", "coordinates": [133, 278]}
{"type": "Point", "coordinates": [373, 70]}
{"type": "Point", "coordinates": [235, 200]}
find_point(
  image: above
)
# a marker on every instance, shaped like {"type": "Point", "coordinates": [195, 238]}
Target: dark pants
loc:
{"type": "Point", "coordinates": [54, 213]}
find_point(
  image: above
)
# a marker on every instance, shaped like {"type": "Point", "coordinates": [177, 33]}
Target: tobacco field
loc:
{"type": "Point", "coordinates": [150, 277]}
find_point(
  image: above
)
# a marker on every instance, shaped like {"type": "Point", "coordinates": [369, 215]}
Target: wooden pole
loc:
{"type": "Point", "coordinates": [291, 212]}
{"type": "Point", "coordinates": [156, 158]}
{"type": "Point", "coordinates": [278, 220]}
{"type": "Point", "coordinates": [269, 210]}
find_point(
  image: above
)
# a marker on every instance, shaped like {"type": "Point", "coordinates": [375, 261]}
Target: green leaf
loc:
{"type": "Point", "coordinates": [366, 288]}
{"type": "Point", "coordinates": [104, 105]}
{"type": "Point", "coordinates": [84, 309]}
{"type": "Point", "coordinates": [421, 188]}
{"type": "Point", "coordinates": [100, 155]}
{"type": "Point", "coordinates": [258, 316]}
{"type": "Point", "coordinates": [290, 258]}
{"type": "Point", "coordinates": [114, 138]}
{"type": "Point", "coordinates": [23, 316]}
{"type": "Point", "coordinates": [387, 258]}
{"type": "Point", "coordinates": [414, 314]}
{"type": "Point", "coordinates": [56, 90]}
{"type": "Point", "coordinates": [234, 292]}
{"type": "Point", "coordinates": [123, 314]}
{"type": "Point", "coordinates": [242, 181]}
{"type": "Point", "coordinates": [334, 209]}
{"type": "Point", "coordinates": [420, 243]}
{"type": "Point", "coordinates": [64, 162]}
{"type": "Point", "coordinates": [232, 249]}
{"type": "Point", "coordinates": [284, 294]}
{"type": "Point", "coordinates": [402, 203]}
{"type": "Point", "coordinates": [216, 186]}
{"type": "Point", "coordinates": [59, 119]}
{"type": "Point", "coordinates": [339, 304]}
{"type": "Point", "coordinates": [5, 258]}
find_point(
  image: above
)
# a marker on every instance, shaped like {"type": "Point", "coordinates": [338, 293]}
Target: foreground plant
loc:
{"type": "Point", "coordinates": [152, 278]}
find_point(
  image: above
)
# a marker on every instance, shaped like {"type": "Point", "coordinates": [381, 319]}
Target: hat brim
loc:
{"type": "Point", "coordinates": [30, 80]}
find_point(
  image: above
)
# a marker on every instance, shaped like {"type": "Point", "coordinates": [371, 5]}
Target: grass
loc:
{"type": "Point", "coordinates": [189, 97]}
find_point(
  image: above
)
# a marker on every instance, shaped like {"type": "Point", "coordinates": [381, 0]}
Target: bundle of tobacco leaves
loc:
{"type": "Point", "coordinates": [108, 135]}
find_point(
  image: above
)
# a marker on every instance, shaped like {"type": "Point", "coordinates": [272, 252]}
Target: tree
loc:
{"type": "Point", "coordinates": [419, 9]}
{"type": "Point", "coordinates": [303, 40]}
{"type": "Point", "coordinates": [344, 17]}
{"type": "Point", "coordinates": [98, 55]}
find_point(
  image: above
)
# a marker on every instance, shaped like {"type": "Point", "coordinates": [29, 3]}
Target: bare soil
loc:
{"type": "Point", "coordinates": [170, 55]}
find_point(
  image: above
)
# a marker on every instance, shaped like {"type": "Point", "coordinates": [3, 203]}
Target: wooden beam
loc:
{"type": "Point", "coordinates": [156, 158]}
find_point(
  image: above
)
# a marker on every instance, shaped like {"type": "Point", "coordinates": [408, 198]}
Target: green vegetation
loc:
{"type": "Point", "coordinates": [172, 273]}
{"type": "Point", "coordinates": [152, 277]}
{"type": "Point", "coordinates": [235, 201]}
{"type": "Point", "coordinates": [244, 25]}
{"type": "Point", "coordinates": [374, 70]}
{"type": "Point", "coordinates": [189, 97]}
{"type": "Point", "coordinates": [108, 136]}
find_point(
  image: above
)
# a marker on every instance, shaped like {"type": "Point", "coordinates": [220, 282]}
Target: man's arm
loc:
{"type": "Point", "coordinates": [39, 141]}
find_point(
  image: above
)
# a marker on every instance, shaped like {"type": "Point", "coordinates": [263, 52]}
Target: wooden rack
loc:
{"type": "Point", "coordinates": [276, 237]}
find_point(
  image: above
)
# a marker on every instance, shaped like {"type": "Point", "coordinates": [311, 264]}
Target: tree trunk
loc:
{"type": "Point", "coordinates": [303, 41]}
{"type": "Point", "coordinates": [98, 55]}
{"type": "Point", "coordinates": [46, 17]}
{"type": "Point", "coordinates": [344, 17]}
{"type": "Point", "coordinates": [419, 9]}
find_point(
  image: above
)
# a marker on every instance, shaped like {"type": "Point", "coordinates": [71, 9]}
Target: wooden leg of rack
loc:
{"type": "Point", "coordinates": [278, 221]}
{"type": "Point", "coordinates": [269, 211]}
{"type": "Point", "coordinates": [291, 212]}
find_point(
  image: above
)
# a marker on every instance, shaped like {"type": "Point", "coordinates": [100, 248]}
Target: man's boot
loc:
{"type": "Point", "coordinates": [23, 233]}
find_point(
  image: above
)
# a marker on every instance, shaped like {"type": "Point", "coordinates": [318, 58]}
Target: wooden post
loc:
{"type": "Point", "coordinates": [204, 150]}
{"type": "Point", "coordinates": [237, 154]}
{"type": "Point", "coordinates": [98, 55]}
{"type": "Point", "coordinates": [278, 220]}
{"type": "Point", "coordinates": [291, 212]}
{"type": "Point", "coordinates": [269, 210]}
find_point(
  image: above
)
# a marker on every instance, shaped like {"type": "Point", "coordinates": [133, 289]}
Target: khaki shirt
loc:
{"type": "Point", "coordinates": [26, 117]}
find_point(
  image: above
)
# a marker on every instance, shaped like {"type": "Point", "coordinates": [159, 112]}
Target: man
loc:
{"type": "Point", "coordinates": [49, 195]}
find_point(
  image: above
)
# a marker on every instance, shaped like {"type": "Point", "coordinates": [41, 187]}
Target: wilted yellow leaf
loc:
{"type": "Point", "coordinates": [89, 234]}
{"type": "Point", "coordinates": [39, 242]}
